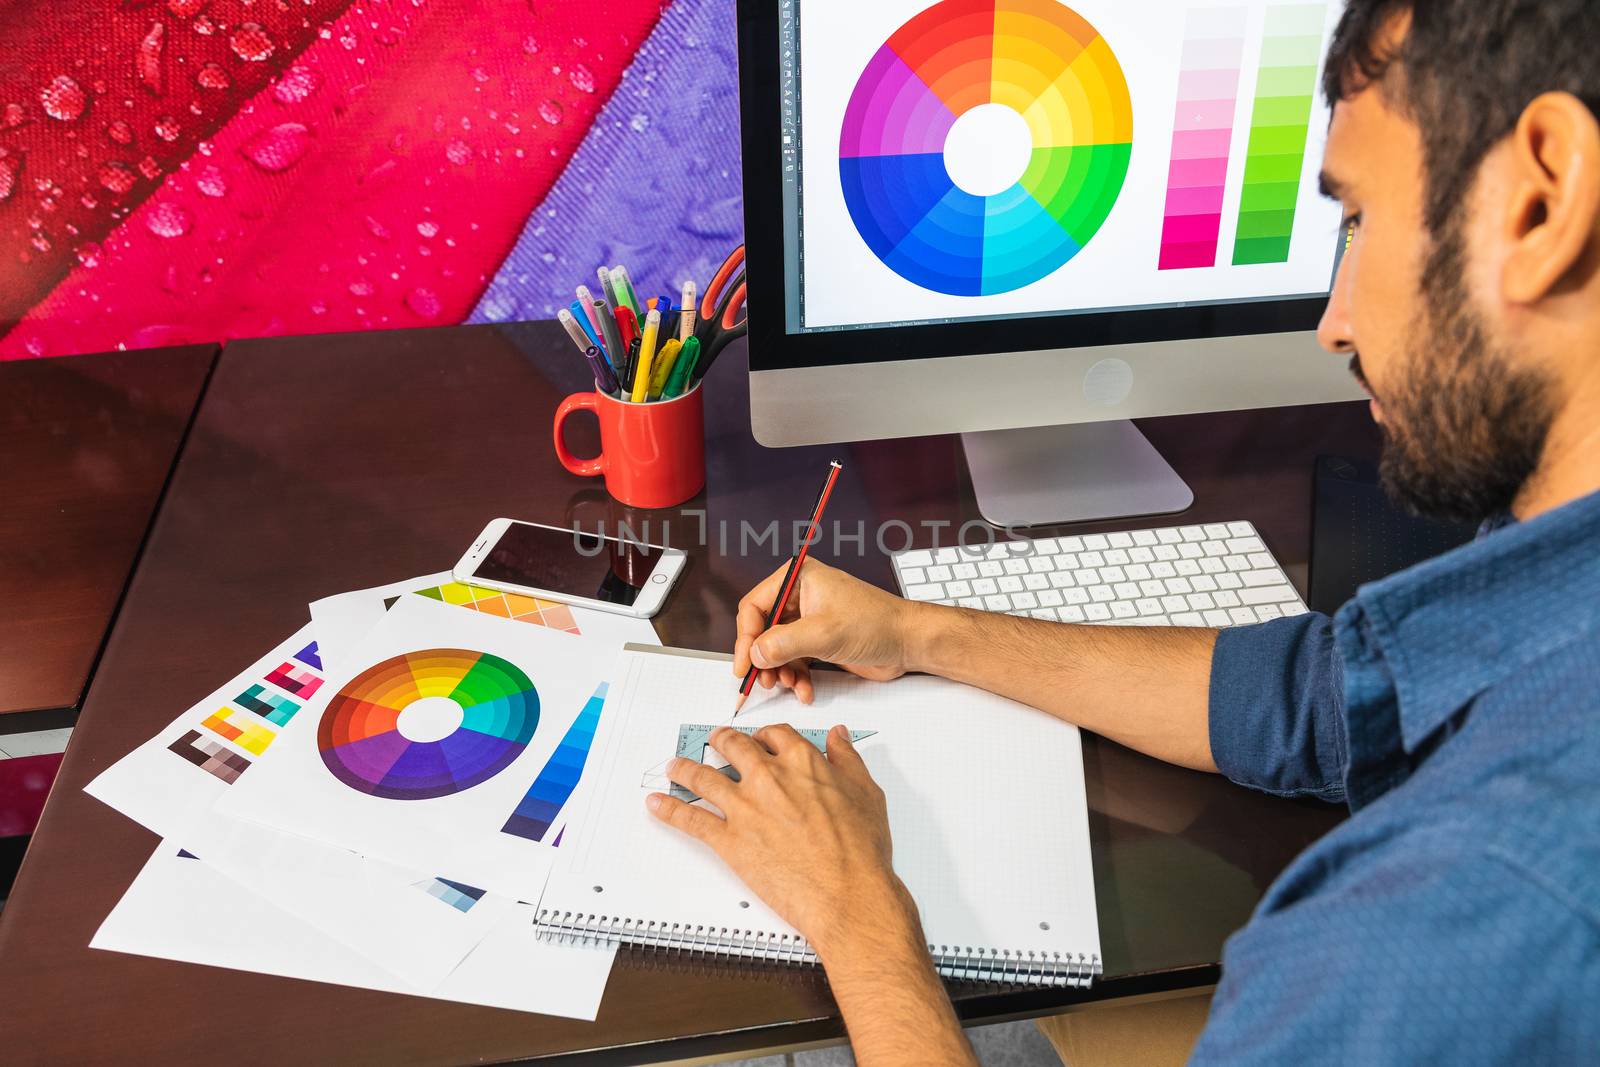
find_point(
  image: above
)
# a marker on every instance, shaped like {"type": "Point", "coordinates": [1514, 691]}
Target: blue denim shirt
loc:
{"type": "Point", "coordinates": [1455, 917]}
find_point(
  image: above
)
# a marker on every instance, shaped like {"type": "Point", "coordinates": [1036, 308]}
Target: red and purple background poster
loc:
{"type": "Point", "coordinates": [202, 170]}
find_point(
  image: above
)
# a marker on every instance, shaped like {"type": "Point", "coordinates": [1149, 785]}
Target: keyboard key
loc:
{"type": "Point", "coordinates": [1148, 606]}
{"type": "Point", "coordinates": [1102, 593]}
{"type": "Point", "coordinates": [1087, 576]}
{"type": "Point", "coordinates": [1066, 561]}
{"type": "Point", "coordinates": [1061, 579]}
{"type": "Point", "coordinates": [1036, 581]}
{"type": "Point", "coordinates": [1271, 577]}
{"type": "Point", "coordinates": [1179, 585]}
{"type": "Point", "coordinates": [918, 558]}
{"type": "Point", "coordinates": [1268, 612]}
{"type": "Point", "coordinates": [1000, 550]}
{"type": "Point", "coordinates": [1039, 564]}
{"type": "Point", "coordinates": [1047, 546]}
{"type": "Point", "coordinates": [1166, 552]}
{"type": "Point", "coordinates": [1191, 551]}
{"type": "Point", "coordinates": [1212, 565]}
{"type": "Point", "coordinates": [1174, 604]}
{"type": "Point", "coordinates": [1153, 587]}
{"type": "Point", "coordinates": [1091, 559]}
{"type": "Point", "coordinates": [1051, 598]}
{"type": "Point", "coordinates": [1203, 583]}
{"type": "Point", "coordinates": [1016, 566]}
{"type": "Point", "coordinates": [1229, 581]}
{"type": "Point", "coordinates": [1244, 545]}
{"type": "Point", "coordinates": [1025, 600]}
{"type": "Point", "coordinates": [1076, 596]}
{"type": "Point", "coordinates": [997, 603]}
{"type": "Point", "coordinates": [1144, 537]}
{"type": "Point", "coordinates": [1187, 566]}
{"type": "Point", "coordinates": [985, 586]}
{"type": "Point", "coordinates": [964, 571]}
{"type": "Point", "coordinates": [1141, 555]}
{"type": "Point", "coordinates": [1215, 548]}
{"type": "Point", "coordinates": [1242, 616]}
{"type": "Point", "coordinates": [925, 592]}
{"type": "Point", "coordinates": [1188, 618]}
{"type": "Point", "coordinates": [1293, 609]}
{"type": "Point", "coordinates": [1201, 601]}
{"type": "Point", "coordinates": [1237, 563]}
{"type": "Point", "coordinates": [1117, 557]}
{"type": "Point", "coordinates": [1216, 530]}
{"type": "Point", "coordinates": [1043, 614]}
{"type": "Point", "coordinates": [971, 602]}
{"type": "Point", "coordinates": [939, 573]}
{"type": "Point", "coordinates": [1227, 599]}
{"type": "Point", "coordinates": [1241, 529]}
{"type": "Point", "coordinates": [910, 576]}
{"type": "Point", "coordinates": [947, 555]}
{"type": "Point", "coordinates": [1112, 574]}
{"type": "Point", "coordinates": [1070, 614]}
{"type": "Point", "coordinates": [1072, 544]}
{"type": "Point", "coordinates": [1121, 609]}
{"type": "Point", "coordinates": [1276, 594]}
{"type": "Point", "coordinates": [1192, 533]}
{"type": "Point", "coordinates": [1097, 612]}
{"type": "Point", "coordinates": [1218, 618]}
{"type": "Point", "coordinates": [1010, 583]}
{"type": "Point", "coordinates": [1126, 591]}
{"type": "Point", "coordinates": [1169, 536]}
{"type": "Point", "coordinates": [991, 568]}
{"type": "Point", "coordinates": [1163, 569]}
{"type": "Point", "coordinates": [1137, 571]}
{"type": "Point", "coordinates": [1262, 560]}
{"type": "Point", "coordinates": [1097, 542]}
{"type": "Point", "coordinates": [957, 590]}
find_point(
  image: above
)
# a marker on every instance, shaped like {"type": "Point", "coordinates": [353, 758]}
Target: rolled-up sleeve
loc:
{"type": "Point", "coordinates": [1277, 707]}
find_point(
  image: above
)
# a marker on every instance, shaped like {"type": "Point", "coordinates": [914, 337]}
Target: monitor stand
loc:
{"type": "Point", "coordinates": [1087, 472]}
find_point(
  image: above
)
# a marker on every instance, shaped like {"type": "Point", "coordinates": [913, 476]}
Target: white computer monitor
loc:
{"type": "Point", "coordinates": [1029, 222]}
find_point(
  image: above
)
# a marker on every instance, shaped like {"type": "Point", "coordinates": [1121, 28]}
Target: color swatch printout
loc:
{"type": "Point", "coordinates": [515, 606]}
{"type": "Point", "coordinates": [1202, 134]}
{"type": "Point", "coordinates": [1279, 121]}
{"type": "Point", "coordinates": [960, 81]}
{"type": "Point", "coordinates": [537, 811]}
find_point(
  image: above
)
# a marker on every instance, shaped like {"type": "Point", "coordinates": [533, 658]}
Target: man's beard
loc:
{"type": "Point", "coordinates": [1465, 428]}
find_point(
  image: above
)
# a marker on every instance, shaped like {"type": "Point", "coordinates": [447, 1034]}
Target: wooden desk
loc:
{"type": "Point", "coordinates": [86, 445]}
{"type": "Point", "coordinates": [324, 464]}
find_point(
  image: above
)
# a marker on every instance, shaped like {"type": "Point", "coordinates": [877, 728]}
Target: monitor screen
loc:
{"type": "Point", "coordinates": [972, 161]}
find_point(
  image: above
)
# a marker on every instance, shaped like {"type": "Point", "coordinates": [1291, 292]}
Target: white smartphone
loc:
{"type": "Point", "coordinates": [604, 573]}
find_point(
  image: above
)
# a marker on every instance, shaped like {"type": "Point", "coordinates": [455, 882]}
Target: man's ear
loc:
{"type": "Point", "coordinates": [1552, 218]}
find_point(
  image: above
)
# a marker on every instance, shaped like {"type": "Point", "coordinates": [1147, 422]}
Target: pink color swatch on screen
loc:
{"type": "Point", "coordinates": [1202, 133]}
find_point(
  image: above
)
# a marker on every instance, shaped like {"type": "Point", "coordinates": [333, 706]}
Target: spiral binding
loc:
{"type": "Point", "coordinates": [963, 963]}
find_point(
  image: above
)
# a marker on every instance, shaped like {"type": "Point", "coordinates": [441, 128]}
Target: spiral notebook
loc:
{"type": "Point", "coordinates": [986, 805]}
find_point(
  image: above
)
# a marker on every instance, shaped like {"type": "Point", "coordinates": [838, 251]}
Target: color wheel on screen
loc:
{"type": "Point", "coordinates": [362, 734]}
{"type": "Point", "coordinates": [985, 144]}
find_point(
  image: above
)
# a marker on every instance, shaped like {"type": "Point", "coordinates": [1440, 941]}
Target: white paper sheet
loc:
{"type": "Point", "coordinates": [986, 805]}
{"type": "Point", "coordinates": [166, 792]}
{"type": "Point", "coordinates": [164, 914]}
{"type": "Point", "coordinates": [413, 925]}
{"type": "Point", "coordinates": [342, 621]}
{"type": "Point", "coordinates": [460, 832]}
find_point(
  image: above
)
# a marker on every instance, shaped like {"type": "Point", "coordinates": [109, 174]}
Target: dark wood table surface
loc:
{"type": "Point", "coordinates": [86, 445]}
{"type": "Point", "coordinates": [324, 464]}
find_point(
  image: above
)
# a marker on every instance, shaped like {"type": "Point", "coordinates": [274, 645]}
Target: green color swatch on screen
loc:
{"type": "Point", "coordinates": [1280, 119]}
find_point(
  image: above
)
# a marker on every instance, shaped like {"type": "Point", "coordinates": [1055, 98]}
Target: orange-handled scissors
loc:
{"type": "Point", "coordinates": [722, 315]}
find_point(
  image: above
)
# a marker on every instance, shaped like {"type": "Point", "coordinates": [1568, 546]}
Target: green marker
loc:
{"type": "Point", "coordinates": [624, 288]}
{"type": "Point", "coordinates": [683, 369]}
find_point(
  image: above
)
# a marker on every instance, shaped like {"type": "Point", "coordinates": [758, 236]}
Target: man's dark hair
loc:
{"type": "Point", "coordinates": [1466, 70]}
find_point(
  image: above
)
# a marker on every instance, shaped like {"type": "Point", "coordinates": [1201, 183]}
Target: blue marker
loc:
{"type": "Point", "coordinates": [582, 315]}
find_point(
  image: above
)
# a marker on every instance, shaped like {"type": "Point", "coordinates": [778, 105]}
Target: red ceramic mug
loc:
{"type": "Point", "coordinates": [652, 455]}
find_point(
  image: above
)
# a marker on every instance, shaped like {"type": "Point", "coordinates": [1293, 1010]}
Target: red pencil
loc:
{"type": "Point", "coordinates": [791, 577]}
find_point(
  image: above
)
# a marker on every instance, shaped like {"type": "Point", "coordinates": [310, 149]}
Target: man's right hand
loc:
{"type": "Point", "coordinates": [831, 616]}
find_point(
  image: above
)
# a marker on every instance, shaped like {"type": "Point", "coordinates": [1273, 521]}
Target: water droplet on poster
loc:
{"type": "Point", "coordinates": [459, 152]}
{"type": "Point", "coordinates": [279, 148]}
{"type": "Point", "coordinates": [167, 128]}
{"type": "Point", "coordinates": [147, 58]}
{"type": "Point", "coordinates": [296, 85]}
{"type": "Point", "coordinates": [582, 78]}
{"type": "Point", "coordinates": [551, 112]}
{"type": "Point", "coordinates": [63, 99]}
{"type": "Point", "coordinates": [213, 76]}
{"type": "Point", "coordinates": [424, 302]}
{"type": "Point", "coordinates": [166, 219]}
{"type": "Point", "coordinates": [117, 177]}
{"type": "Point", "coordinates": [428, 228]}
{"type": "Point", "coordinates": [211, 182]}
{"type": "Point", "coordinates": [250, 42]}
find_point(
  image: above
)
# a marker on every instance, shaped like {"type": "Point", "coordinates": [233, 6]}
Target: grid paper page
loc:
{"type": "Point", "coordinates": [986, 805]}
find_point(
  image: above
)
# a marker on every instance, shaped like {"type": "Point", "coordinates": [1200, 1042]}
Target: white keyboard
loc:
{"type": "Point", "coordinates": [1218, 574]}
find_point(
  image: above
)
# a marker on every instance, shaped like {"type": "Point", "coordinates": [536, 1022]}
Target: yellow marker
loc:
{"type": "Point", "coordinates": [647, 351]}
{"type": "Point", "coordinates": [686, 320]}
{"type": "Point", "coordinates": [663, 367]}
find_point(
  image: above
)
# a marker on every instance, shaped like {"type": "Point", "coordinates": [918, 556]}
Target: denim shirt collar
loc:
{"type": "Point", "coordinates": [1422, 644]}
